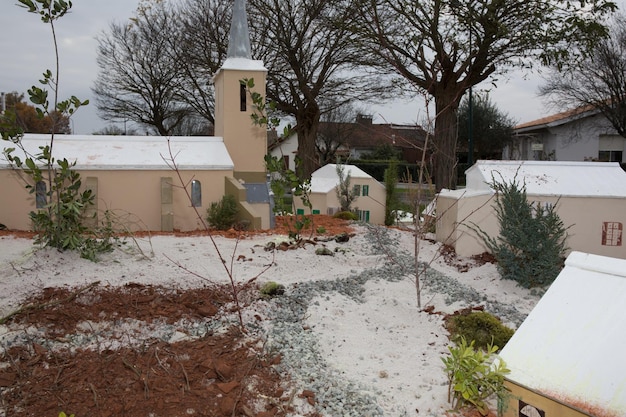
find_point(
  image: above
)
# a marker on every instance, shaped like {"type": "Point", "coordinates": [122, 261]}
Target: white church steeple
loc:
{"type": "Point", "coordinates": [239, 36]}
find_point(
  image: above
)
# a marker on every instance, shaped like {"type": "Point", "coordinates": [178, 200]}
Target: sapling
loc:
{"type": "Point", "coordinates": [62, 204]}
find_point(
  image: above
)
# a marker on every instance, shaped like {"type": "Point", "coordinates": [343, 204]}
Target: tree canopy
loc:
{"type": "Point", "coordinates": [492, 129]}
{"type": "Point", "coordinates": [596, 82]}
{"type": "Point", "coordinates": [443, 47]}
{"type": "Point", "coordinates": [23, 116]}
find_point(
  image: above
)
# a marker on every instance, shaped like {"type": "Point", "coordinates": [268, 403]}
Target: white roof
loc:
{"type": "Point", "coordinates": [552, 178]}
{"type": "Point", "coordinates": [570, 346]}
{"type": "Point", "coordinates": [325, 178]}
{"type": "Point", "coordinates": [94, 152]}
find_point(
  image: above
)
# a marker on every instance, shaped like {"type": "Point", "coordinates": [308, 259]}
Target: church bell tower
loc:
{"type": "Point", "coordinates": [245, 142]}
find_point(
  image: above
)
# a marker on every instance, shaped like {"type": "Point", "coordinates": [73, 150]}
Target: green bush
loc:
{"type": "Point", "coordinates": [474, 375]}
{"type": "Point", "coordinates": [346, 215]}
{"type": "Point", "coordinates": [531, 246]}
{"type": "Point", "coordinates": [391, 198]}
{"type": "Point", "coordinates": [271, 289]}
{"type": "Point", "coordinates": [223, 214]}
{"type": "Point", "coordinates": [481, 327]}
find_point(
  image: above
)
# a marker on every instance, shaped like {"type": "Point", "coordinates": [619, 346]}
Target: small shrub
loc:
{"type": "Point", "coordinates": [481, 327]}
{"type": "Point", "coordinates": [532, 242]}
{"type": "Point", "coordinates": [474, 375]}
{"type": "Point", "coordinates": [271, 289]}
{"type": "Point", "coordinates": [346, 215]}
{"type": "Point", "coordinates": [223, 214]}
{"type": "Point", "coordinates": [321, 230]}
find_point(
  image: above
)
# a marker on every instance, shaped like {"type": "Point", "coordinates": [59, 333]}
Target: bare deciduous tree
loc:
{"type": "Point", "coordinates": [337, 125]}
{"type": "Point", "coordinates": [139, 79]}
{"type": "Point", "coordinates": [596, 82]}
{"type": "Point", "coordinates": [313, 60]}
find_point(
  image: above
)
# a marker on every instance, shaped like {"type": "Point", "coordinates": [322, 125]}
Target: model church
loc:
{"type": "Point", "coordinates": [133, 177]}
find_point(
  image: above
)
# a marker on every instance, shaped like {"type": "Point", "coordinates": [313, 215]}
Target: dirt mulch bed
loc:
{"type": "Point", "coordinates": [220, 374]}
{"type": "Point", "coordinates": [224, 373]}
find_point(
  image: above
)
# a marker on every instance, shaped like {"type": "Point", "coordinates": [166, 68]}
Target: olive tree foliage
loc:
{"type": "Point", "coordinates": [443, 47]}
{"type": "Point", "coordinates": [596, 82]}
{"type": "Point", "coordinates": [492, 129]}
{"type": "Point", "coordinates": [140, 78]}
{"type": "Point", "coordinates": [314, 63]}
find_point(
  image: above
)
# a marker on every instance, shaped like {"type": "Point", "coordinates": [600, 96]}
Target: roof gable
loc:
{"type": "Point", "coordinates": [552, 178]}
{"type": "Point", "coordinates": [325, 178]}
{"type": "Point", "coordinates": [570, 346]}
{"type": "Point", "coordinates": [557, 119]}
{"type": "Point", "coordinates": [368, 135]}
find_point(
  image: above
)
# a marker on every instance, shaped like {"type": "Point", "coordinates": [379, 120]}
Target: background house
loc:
{"type": "Point", "coordinates": [350, 141]}
{"type": "Point", "coordinates": [370, 204]}
{"type": "Point", "coordinates": [131, 175]}
{"type": "Point", "coordinates": [564, 358]}
{"type": "Point", "coordinates": [578, 135]}
{"type": "Point", "coordinates": [589, 196]}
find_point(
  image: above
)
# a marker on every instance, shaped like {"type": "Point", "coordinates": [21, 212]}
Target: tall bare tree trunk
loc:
{"type": "Point", "coordinates": [306, 125]}
{"type": "Point", "coordinates": [445, 138]}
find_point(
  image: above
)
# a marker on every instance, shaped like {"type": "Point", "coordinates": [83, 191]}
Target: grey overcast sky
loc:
{"type": "Point", "coordinates": [25, 53]}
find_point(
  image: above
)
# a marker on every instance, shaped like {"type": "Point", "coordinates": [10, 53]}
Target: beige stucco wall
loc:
{"type": "Point", "coordinates": [234, 125]}
{"type": "Point", "coordinates": [551, 407]}
{"type": "Point", "coordinates": [374, 202]}
{"type": "Point", "coordinates": [135, 197]}
{"type": "Point", "coordinates": [586, 215]}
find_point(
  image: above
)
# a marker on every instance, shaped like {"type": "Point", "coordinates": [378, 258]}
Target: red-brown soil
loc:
{"type": "Point", "coordinates": [221, 374]}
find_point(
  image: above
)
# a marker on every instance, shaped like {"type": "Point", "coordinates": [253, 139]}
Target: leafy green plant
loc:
{"type": "Point", "coordinates": [531, 246]}
{"type": "Point", "coordinates": [320, 230]}
{"type": "Point", "coordinates": [479, 326]}
{"type": "Point", "coordinates": [282, 179]}
{"type": "Point", "coordinates": [474, 375]}
{"type": "Point", "coordinates": [222, 214]}
{"type": "Point", "coordinates": [346, 215]}
{"type": "Point", "coordinates": [62, 414]}
{"type": "Point", "coordinates": [59, 220]}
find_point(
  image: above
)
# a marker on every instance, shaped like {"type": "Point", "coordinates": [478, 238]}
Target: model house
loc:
{"type": "Point", "coordinates": [564, 358]}
{"type": "Point", "coordinates": [590, 199]}
{"type": "Point", "coordinates": [370, 202]}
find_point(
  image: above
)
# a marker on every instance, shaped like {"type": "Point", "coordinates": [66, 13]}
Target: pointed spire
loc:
{"type": "Point", "coordinates": [239, 36]}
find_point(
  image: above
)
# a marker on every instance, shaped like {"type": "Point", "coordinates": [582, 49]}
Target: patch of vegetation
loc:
{"type": "Point", "coordinates": [222, 215]}
{"type": "Point", "coordinates": [482, 328]}
{"type": "Point", "coordinates": [531, 246]}
{"type": "Point", "coordinates": [474, 375]}
{"type": "Point", "coordinates": [320, 230]}
{"type": "Point", "coordinates": [392, 203]}
{"type": "Point", "coordinates": [346, 215]}
{"type": "Point", "coordinates": [62, 201]}
{"type": "Point", "coordinates": [271, 289]}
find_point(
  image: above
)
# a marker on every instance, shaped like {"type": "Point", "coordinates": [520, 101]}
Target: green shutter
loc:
{"type": "Point", "coordinates": [300, 211]}
{"type": "Point", "coordinates": [366, 190]}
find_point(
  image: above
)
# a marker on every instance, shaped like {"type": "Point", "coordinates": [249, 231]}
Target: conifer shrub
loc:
{"type": "Point", "coordinates": [346, 215]}
{"type": "Point", "coordinates": [531, 246]}
{"type": "Point", "coordinates": [223, 214]}
{"type": "Point", "coordinates": [481, 327]}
